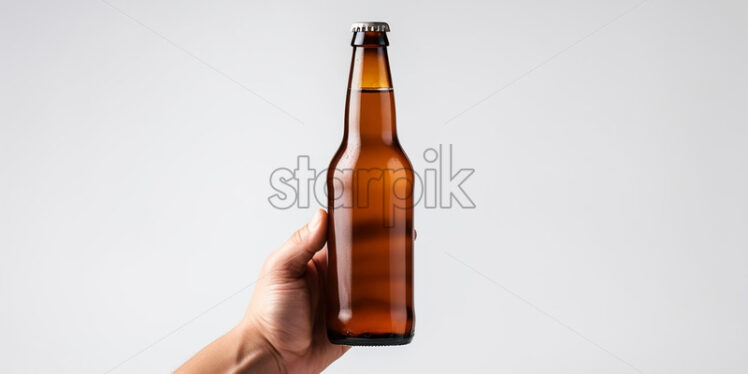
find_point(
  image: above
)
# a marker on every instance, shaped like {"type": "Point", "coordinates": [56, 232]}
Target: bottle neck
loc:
{"type": "Point", "coordinates": [370, 104]}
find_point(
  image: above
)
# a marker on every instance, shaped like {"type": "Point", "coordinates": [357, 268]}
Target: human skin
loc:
{"type": "Point", "coordinates": [283, 330]}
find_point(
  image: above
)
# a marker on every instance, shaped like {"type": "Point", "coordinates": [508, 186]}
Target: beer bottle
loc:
{"type": "Point", "coordinates": [370, 205]}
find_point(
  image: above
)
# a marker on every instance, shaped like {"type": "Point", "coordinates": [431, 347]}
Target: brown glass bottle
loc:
{"type": "Point", "coordinates": [370, 207]}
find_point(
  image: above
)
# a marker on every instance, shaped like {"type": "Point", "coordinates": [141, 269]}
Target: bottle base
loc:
{"type": "Point", "coordinates": [367, 339]}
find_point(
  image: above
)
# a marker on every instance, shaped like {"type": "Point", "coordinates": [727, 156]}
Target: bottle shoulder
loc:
{"type": "Point", "coordinates": [363, 156]}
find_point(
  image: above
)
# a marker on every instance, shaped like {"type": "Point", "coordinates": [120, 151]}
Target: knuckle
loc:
{"type": "Point", "coordinates": [269, 263]}
{"type": "Point", "coordinates": [272, 263]}
{"type": "Point", "coordinates": [299, 236]}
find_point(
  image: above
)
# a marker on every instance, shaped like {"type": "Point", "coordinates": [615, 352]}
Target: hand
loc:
{"type": "Point", "coordinates": [283, 329]}
{"type": "Point", "coordinates": [287, 307]}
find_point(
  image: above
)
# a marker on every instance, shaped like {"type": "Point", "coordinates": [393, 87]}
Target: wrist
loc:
{"type": "Point", "coordinates": [254, 352]}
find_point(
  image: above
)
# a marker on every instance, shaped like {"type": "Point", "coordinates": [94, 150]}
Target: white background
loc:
{"type": "Point", "coordinates": [609, 139]}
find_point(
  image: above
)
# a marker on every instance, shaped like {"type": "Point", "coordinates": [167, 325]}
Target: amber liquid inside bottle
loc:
{"type": "Point", "coordinates": [370, 207]}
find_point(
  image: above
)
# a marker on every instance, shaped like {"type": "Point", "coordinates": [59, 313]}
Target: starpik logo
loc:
{"type": "Point", "coordinates": [439, 185]}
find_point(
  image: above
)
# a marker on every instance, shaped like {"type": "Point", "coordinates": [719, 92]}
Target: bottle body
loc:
{"type": "Point", "coordinates": [370, 209]}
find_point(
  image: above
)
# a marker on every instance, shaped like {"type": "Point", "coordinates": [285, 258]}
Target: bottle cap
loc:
{"type": "Point", "coordinates": [370, 26]}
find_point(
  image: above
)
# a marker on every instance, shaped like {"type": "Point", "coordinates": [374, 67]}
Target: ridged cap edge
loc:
{"type": "Point", "coordinates": [370, 26]}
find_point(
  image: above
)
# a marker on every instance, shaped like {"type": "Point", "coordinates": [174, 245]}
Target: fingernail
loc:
{"type": "Point", "coordinates": [316, 220]}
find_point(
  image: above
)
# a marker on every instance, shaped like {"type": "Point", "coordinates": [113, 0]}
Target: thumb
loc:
{"type": "Point", "coordinates": [292, 257]}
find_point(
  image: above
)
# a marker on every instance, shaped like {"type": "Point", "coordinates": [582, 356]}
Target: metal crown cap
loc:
{"type": "Point", "coordinates": [370, 26]}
